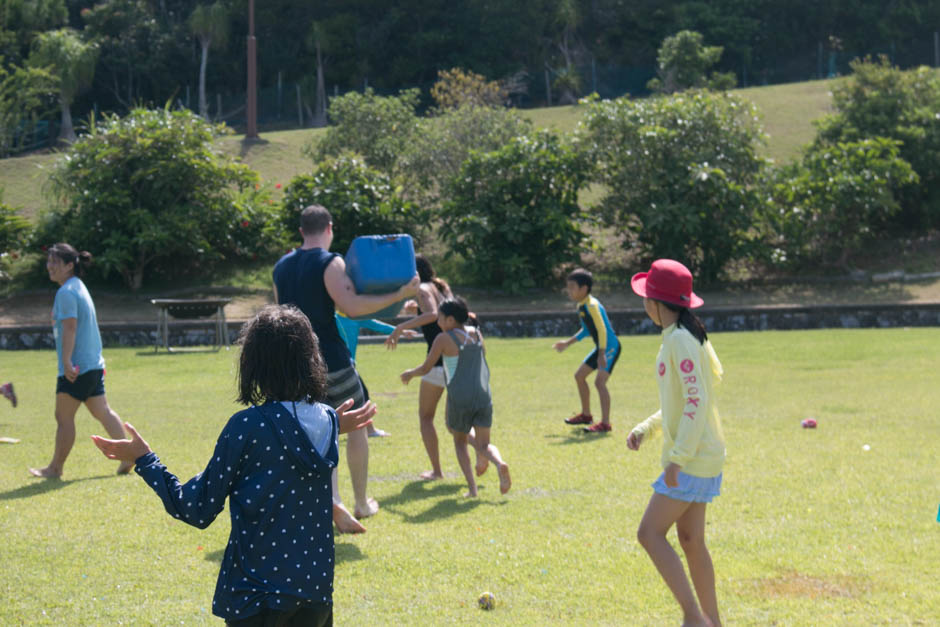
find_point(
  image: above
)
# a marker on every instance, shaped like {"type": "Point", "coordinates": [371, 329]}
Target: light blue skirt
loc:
{"type": "Point", "coordinates": [690, 489]}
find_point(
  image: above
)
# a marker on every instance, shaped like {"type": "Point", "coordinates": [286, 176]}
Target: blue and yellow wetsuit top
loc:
{"type": "Point", "coordinates": [594, 322]}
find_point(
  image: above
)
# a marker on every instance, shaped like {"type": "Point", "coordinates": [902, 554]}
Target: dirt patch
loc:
{"type": "Point", "coordinates": [795, 585]}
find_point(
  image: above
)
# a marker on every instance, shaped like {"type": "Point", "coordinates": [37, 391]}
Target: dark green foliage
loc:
{"type": "Point", "coordinates": [150, 192]}
{"type": "Point", "coordinates": [833, 202]}
{"type": "Point", "coordinates": [512, 214]}
{"type": "Point", "coordinates": [361, 200]}
{"type": "Point", "coordinates": [879, 100]}
{"type": "Point", "coordinates": [14, 229]}
{"type": "Point", "coordinates": [679, 173]}
{"type": "Point", "coordinates": [376, 127]}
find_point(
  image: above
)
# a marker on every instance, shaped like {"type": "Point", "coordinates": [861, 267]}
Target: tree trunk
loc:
{"type": "Point", "coordinates": [203, 105]}
{"type": "Point", "coordinates": [319, 105]}
{"type": "Point", "coordinates": [67, 131]}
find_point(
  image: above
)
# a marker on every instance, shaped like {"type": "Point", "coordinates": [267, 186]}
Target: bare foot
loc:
{"type": "Point", "coordinates": [372, 508]}
{"type": "Point", "coordinates": [482, 464]}
{"type": "Point", "coordinates": [125, 468]}
{"type": "Point", "coordinates": [344, 521]}
{"type": "Point", "coordinates": [505, 482]}
{"type": "Point", "coordinates": [45, 473]}
{"type": "Point", "coordinates": [430, 475]}
{"type": "Point", "coordinates": [470, 495]}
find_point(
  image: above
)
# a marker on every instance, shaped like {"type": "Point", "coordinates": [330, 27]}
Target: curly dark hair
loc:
{"type": "Point", "coordinates": [280, 358]}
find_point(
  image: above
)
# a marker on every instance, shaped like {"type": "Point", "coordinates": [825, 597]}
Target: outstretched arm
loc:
{"type": "Point", "coordinates": [437, 349]}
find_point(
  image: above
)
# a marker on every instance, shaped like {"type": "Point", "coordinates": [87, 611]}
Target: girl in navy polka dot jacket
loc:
{"type": "Point", "coordinates": [273, 462]}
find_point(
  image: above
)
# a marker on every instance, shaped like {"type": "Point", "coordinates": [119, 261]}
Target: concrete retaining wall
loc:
{"type": "Point", "coordinates": [542, 324]}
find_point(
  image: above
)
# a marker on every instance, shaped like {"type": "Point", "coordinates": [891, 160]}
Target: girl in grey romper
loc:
{"type": "Point", "coordinates": [469, 403]}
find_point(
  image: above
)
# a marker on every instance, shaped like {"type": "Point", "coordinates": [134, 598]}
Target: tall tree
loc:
{"type": "Point", "coordinates": [72, 61]}
{"type": "Point", "coordinates": [210, 25]}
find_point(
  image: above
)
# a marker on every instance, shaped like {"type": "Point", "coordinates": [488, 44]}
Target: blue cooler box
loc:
{"type": "Point", "coordinates": [378, 264]}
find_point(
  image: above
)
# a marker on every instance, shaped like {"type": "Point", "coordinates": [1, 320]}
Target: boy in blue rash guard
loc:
{"type": "Point", "coordinates": [594, 323]}
{"type": "Point", "coordinates": [273, 462]}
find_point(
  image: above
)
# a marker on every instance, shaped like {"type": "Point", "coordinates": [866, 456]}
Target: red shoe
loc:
{"type": "Point", "coordinates": [580, 419]}
{"type": "Point", "coordinates": [598, 427]}
{"type": "Point", "coordinates": [7, 390]}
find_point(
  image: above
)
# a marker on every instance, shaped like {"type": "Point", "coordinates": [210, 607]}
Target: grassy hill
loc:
{"type": "Point", "coordinates": [788, 112]}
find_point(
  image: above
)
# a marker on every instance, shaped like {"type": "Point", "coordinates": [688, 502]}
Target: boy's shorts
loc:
{"type": "Point", "coordinates": [435, 376]}
{"type": "Point", "coordinates": [85, 386]}
{"type": "Point", "coordinates": [612, 354]}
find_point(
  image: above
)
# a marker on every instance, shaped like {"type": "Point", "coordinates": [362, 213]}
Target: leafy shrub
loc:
{"type": "Point", "coordinates": [361, 200]}
{"type": "Point", "coordinates": [150, 192]}
{"type": "Point", "coordinates": [14, 232]}
{"type": "Point", "coordinates": [442, 143]}
{"type": "Point", "coordinates": [683, 63]}
{"type": "Point", "coordinates": [830, 204]}
{"type": "Point", "coordinates": [456, 88]}
{"type": "Point", "coordinates": [377, 127]}
{"type": "Point", "coordinates": [512, 213]}
{"type": "Point", "coordinates": [879, 100]}
{"type": "Point", "coordinates": [678, 173]}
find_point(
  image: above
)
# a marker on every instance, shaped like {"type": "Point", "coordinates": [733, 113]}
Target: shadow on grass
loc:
{"type": "Point", "coordinates": [41, 486]}
{"type": "Point", "coordinates": [444, 508]}
{"type": "Point", "coordinates": [575, 437]}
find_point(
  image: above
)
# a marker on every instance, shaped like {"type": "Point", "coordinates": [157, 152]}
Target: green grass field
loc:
{"type": "Point", "coordinates": [810, 528]}
{"type": "Point", "coordinates": [787, 114]}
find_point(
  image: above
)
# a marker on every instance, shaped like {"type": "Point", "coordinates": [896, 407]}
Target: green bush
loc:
{"type": "Point", "coordinates": [442, 143]}
{"type": "Point", "coordinates": [829, 205]}
{"type": "Point", "coordinates": [377, 127]}
{"type": "Point", "coordinates": [361, 200]}
{"type": "Point", "coordinates": [679, 173]}
{"type": "Point", "coordinates": [512, 214]}
{"type": "Point", "coordinates": [150, 193]}
{"type": "Point", "coordinates": [683, 62]}
{"type": "Point", "coordinates": [879, 100]}
{"type": "Point", "coordinates": [14, 229]}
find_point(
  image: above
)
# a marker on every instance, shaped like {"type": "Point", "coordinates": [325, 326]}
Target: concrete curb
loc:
{"type": "Point", "coordinates": [561, 323]}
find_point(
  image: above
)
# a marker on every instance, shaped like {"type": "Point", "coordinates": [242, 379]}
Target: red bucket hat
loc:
{"type": "Point", "coordinates": [668, 281]}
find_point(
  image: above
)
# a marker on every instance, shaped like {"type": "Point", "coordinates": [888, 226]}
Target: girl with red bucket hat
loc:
{"type": "Point", "coordinates": [687, 369]}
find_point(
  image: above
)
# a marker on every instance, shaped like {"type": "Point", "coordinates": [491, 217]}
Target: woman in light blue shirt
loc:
{"type": "Point", "coordinates": [81, 365]}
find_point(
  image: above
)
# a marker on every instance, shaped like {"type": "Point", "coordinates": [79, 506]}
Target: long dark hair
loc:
{"type": "Point", "coordinates": [458, 309]}
{"type": "Point", "coordinates": [68, 254]}
{"type": "Point", "coordinates": [426, 274]}
{"type": "Point", "coordinates": [689, 321]}
{"type": "Point", "coordinates": [280, 358]}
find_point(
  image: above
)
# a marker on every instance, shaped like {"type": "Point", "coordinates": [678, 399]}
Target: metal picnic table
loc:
{"type": "Point", "coordinates": [190, 309]}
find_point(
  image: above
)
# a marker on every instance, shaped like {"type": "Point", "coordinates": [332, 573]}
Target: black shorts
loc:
{"type": "Point", "coordinates": [365, 390]}
{"type": "Point", "coordinates": [87, 384]}
{"type": "Point", "coordinates": [317, 615]}
{"type": "Point", "coordinates": [612, 357]}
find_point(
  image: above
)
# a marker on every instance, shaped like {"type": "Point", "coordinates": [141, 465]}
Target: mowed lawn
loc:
{"type": "Point", "coordinates": [810, 529]}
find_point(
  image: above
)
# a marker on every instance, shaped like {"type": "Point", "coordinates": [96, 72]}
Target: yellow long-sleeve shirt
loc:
{"type": "Point", "coordinates": [687, 373]}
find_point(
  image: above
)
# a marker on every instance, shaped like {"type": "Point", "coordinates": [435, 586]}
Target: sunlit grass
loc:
{"type": "Point", "coordinates": [810, 529]}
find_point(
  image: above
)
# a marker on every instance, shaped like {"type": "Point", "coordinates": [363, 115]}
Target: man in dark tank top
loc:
{"type": "Point", "coordinates": [315, 281]}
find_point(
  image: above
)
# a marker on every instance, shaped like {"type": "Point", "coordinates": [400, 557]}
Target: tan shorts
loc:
{"type": "Point", "coordinates": [435, 377]}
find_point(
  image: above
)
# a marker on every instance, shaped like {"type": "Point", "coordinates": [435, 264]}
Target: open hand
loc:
{"type": "Point", "coordinates": [124, 450]}
{"type": "Point", "coordinates": [560, 346]}
{"type": "Point", "coordinates": [354, 419]}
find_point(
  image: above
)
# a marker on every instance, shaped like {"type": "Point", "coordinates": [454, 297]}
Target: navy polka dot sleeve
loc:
{"type": "Point", "coordinates": [280, 550]}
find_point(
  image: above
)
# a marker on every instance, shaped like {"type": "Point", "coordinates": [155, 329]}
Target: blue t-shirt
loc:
{"type": "Point", "coordinates": [349, 330]}
{"type": "Point", "coordinates": [72, 300]}
{"type": "Point", "coordinates": [277, 481]}
{"type": "Point", "coordinates": [298, 276]}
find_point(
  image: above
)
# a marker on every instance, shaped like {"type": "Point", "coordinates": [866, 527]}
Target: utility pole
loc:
{"type": "Point", "coordinates": [251, 106]}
